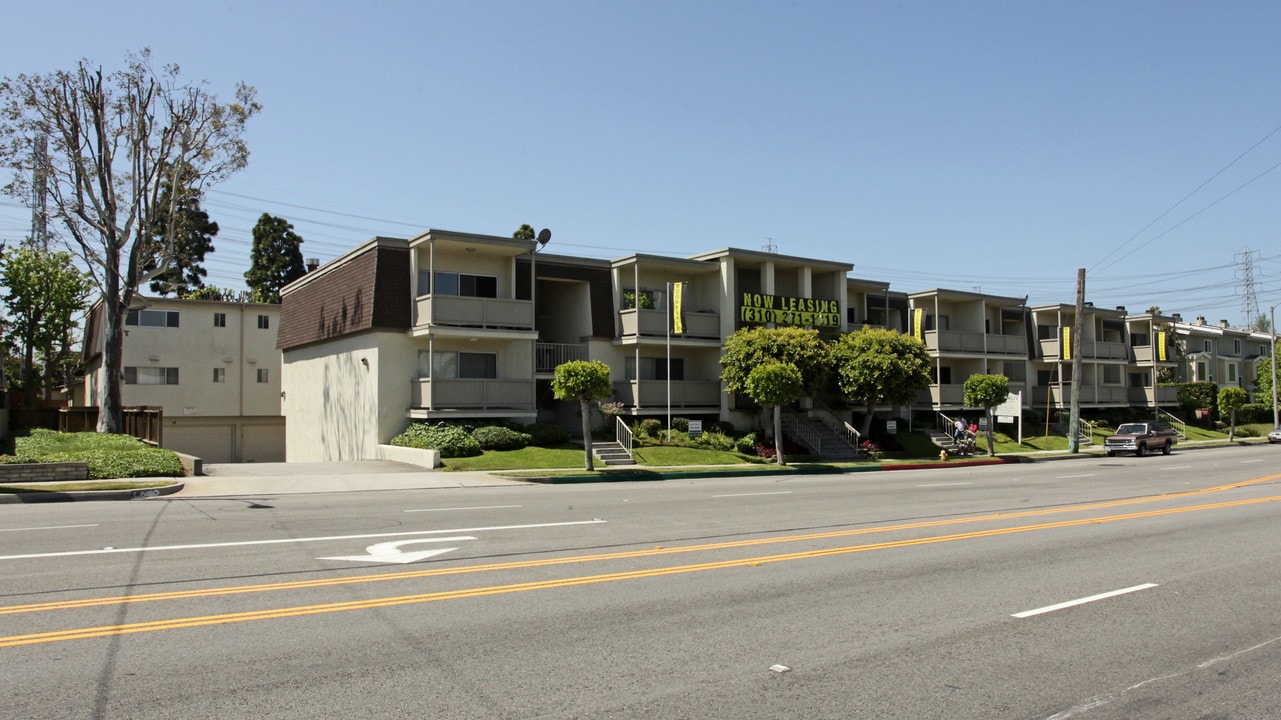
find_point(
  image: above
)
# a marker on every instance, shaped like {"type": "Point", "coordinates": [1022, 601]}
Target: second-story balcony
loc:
{"type": "Point", "coordinates": [957, 341]}
{"type": "Point", "coordinates": [1091, 349]}
{"type": "Point", "coordinates": [653, 323]}
{"type": "Point", "coordinates": [474, 312]}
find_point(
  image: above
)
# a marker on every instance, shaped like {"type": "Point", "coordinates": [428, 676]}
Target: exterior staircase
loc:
{"type": "Point", "coordinates": [612, 453]}
{"type": "Point", "coordinates": [819, 439]}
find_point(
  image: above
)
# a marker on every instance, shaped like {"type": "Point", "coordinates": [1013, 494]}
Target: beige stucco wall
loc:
{"type": "Point", "coordinates": [340, 408]}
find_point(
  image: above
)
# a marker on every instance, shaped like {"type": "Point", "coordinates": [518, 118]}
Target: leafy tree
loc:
{"type": "Point", "coordinates": [111, 139]}
{"type": "Point", "coordinates": [276, 258]}
{"type": "Point", "coordinates": [774, 384]}
{"type": "Point", "coordinates": [44, 294]}
{"type": "Point", "coordinates": [213, 292]}
{"type": "Point", "coordinates": [986, 391]}
{"type": "Point", "coordinates": [1263, 382]}
{"type": "Point", "coordinates": [585, 381]}
{"type": "Point", "coordinates": [876, 366]}
{"type": "Point", "coordinates": [184, 235]}
{"type": "Point", "coordinates": [751, 347]}
{"type": "Point", "coordinates": [524, 232]}
{"type": "Point", "coordinates": [1262, 323]}
{"type": "Point", "coordinates": [1230, 400]}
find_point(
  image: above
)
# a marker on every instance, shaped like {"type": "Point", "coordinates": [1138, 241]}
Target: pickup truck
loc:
{"type": "Point", "coordinates": [1140, 438]}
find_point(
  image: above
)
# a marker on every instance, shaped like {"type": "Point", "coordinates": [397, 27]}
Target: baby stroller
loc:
{"type": "Point", "coordinates": [965, 446]}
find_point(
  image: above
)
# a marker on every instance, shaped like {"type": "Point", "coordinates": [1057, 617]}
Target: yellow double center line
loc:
{"type": "Point", "coordinates": [298, 611]}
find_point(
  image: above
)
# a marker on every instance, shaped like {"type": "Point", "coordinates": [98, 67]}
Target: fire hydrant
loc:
{"type": "Point", "coordinates": [943, 454]}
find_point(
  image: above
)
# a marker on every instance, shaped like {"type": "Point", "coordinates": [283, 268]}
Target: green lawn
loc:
{"type": "Point", "coordinates": [532, 458]}
{"type": "Point", "coordinates": [660, 455]}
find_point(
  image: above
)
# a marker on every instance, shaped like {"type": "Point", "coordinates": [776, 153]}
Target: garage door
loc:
{"type": "Point", "coordinates": [212, 443]}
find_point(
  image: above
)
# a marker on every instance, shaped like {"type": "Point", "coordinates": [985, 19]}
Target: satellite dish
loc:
{"type": "Point", "coordinates": [544, 236]}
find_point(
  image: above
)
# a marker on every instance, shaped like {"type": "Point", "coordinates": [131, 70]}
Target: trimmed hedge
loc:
{"type": "Point", "coordinates": [497, 437]}
{"type": "Point", "coordinates": [451, 440]}
{"type": "Point", "coordinates": [107, 456]}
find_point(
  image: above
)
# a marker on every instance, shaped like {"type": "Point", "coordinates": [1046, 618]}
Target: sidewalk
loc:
{"type": "Point", "coordinates": [287, 478]}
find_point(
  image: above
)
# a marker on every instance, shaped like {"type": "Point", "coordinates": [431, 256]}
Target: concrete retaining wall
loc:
{"type": "Point", "coordinates": [413, 456]}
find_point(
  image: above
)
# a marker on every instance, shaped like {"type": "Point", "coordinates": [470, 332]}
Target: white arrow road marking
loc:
{"type": "Point", "coordinates": [391, 552]}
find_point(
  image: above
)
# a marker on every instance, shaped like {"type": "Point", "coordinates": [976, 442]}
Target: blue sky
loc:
{"type": "Point", "coordinates": [993, 146]}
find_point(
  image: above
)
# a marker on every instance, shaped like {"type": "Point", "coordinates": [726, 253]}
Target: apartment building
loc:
{"type": "Point", "coordinates": [449, 325]}
{"type": "Point", "coordinates": [969, 333]}
{"type": "Point", "coordinates": [211, 366]}
{"type": "Point", "coordinates": [1220, 353]}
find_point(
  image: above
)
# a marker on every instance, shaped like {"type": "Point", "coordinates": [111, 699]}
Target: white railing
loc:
{"type": "Point", "coordinates": [1179, 426]}
{"type": "Point", "coordinates": [793, 426]}
{"type": "Point", "coordinates": [1084, 432]}
{"type": "Point", "coordinates": [836, 424]}
{"type": "Point", "coordinates": [549, 356]}
{"type": "Point", "coordinates": [623, 435]}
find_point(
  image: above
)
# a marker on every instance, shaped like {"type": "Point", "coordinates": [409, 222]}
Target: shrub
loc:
{"type": "Point", "coordinates": [723, 427]}
{"type": "Point", "coordinates": [451, 440]}
{"type": "Point", "coordinates": [546, 434]}
{"type": "Point", "coordinates": [650, 427]}
{"type": "Point", "coordinates": [716, 440]}
{"type": "Point", "coordinates": [746, 444]}
{"type": "Point", "coordinates": [497, 437]}
{"type": "Point", "coordinates": [107, 456]}
{"type": "Point", "coordinates": [681, 424]}
{"type": "Point", "coordinates": [1255, 413]}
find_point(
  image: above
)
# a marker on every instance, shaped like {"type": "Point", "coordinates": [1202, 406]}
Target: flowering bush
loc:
{"type": "Point", "coordinates": [870, 448]}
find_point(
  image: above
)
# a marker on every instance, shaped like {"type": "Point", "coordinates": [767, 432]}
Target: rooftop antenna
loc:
{"type": "Point", "coordinates": [770, 247]}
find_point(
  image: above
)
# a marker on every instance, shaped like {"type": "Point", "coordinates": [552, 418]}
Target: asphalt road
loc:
{"type": "Point", "coordinates": [1091, 588]}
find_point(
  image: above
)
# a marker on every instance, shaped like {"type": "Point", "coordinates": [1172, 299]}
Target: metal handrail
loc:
{"type": "Point", "coordinates": [1179, 426]}
{"type": "Point", "coordinates": [623, 434]}
{"type": "Point", "coordinates": [843, 429]}
{"type": "Point", "coordinates": [792, 425]}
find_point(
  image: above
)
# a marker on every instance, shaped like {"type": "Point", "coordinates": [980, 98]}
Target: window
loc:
{"type": "Point", "coordinates": [220, 375]}
{"type": "Point", "coordinates": [1045, 332]}
{"type": "Point", "coordinates": [1015, 371]}
{"type": "Point", "coordinates": [220, 319]}
{"type": "Point", "coordinates": [1207, 345]}
{"type": "Point", "coordinates": [652, 368]}
{"type": "Point", "coordinates": [264, 322]}
{"type": "Point", "coordinates": [462, 284]}
{"type": "Point", "coordinates": [1140, 380]}
{"type": "Point", "coordinates": [264, 375]}
{"type": "Point", "coordinates": [1232, 373]}
{"type": "Point", "coordinates": [1139, 339]}
{"type": "Point", "coordinates": [1202, 373]}
{"type": "Point", "coordinates": [151, 375]}
{"type": "Point", "coordinates": [467, 365]}
{"type": "Point", "coordinates": [152, 318]}
{"type": "Point", "coordinates": [1111, 374]}
{"type": "Point", "coordinates": [1236, 346]}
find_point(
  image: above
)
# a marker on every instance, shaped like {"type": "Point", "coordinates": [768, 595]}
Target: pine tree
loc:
{"type": "Point", "coordinates": [276, 259]}
{"type": "Point", "coordinates": [193, 235]}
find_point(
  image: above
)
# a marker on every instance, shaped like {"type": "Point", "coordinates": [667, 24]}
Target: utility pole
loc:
{"type": "Point", "coordinates": [1074, 414]}
{"type": "Point", "coordinates": [40, 193]}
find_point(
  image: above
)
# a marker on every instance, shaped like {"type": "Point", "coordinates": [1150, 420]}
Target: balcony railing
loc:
{"type": "Point", "coordinates": [470, 393]}
{"type": "Point", "coordinates": [653, 393]}
{"type": "Point", "coordinates": [549, 356]}
{"type": "Point", "coordinates": [1166, 396]}
{"type": "Point", "coordinates": [1092, 349]}
{"type": "Point", "coordinates": [654, 323]}
{"type": "Point", "coordinates": [1061, 396]}
{"type": "Point", "coordinates": [966, 342]}
{"type": "Point", "coordinates": [474, 312]}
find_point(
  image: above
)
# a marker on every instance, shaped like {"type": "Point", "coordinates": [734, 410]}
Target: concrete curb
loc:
{"type": "Point", "coordinates": [41, 496]}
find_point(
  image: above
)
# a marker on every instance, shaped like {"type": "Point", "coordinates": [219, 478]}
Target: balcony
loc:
{"type": "Point", "coordinates": [1091, 349]}
{"type": "Point", "coordinates": [1110, 395]}
{"type": "Point", "coordinates": [653, 323]}
{"type": "Point", "coordinates": [549, 356]}
{"type": "Point", "coordinates": [472, 394]}
{"type": "Point", "coordinates": [653, 393]}
{"type": "Point", "coordinates": [474, 312]}
{"type": "Point", "coordinates": [977, 343]}
{"type": "Point", "coordinates": [1165, 396]}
